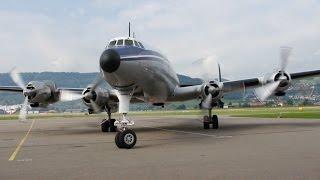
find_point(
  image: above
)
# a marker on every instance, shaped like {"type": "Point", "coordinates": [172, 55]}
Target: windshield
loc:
{"type": "Point", "coordinates": [141, 44]}
{"type": "Point", "coordinates": [112, 43]}
{"type": "Point", "coordinates": [128, 42]}
{"type": "Point", "coordinates": [120, 42]}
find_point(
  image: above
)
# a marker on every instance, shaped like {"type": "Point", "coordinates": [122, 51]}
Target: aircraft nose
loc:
{"type": "Point", "coordinates": [109, 61]}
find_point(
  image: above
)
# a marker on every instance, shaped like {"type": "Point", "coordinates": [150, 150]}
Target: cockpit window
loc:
{"type": "Point", "coordinates": [128, 42]}
{"type": "Point", "coordinates": [112, 43]}
{"type": "Point", "coordinates": [135, 43]}
{"type": "Point", "coordinates": [120, 42]}
{"type": "Point", "coordinates": [141, 44]}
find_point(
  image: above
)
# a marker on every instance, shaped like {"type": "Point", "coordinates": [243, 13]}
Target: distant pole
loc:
{"type": "Point", "coordinates": [129, 30]}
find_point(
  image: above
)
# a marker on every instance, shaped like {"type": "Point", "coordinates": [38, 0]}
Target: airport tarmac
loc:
{"type": "Point", "coordinates": [167, 148]}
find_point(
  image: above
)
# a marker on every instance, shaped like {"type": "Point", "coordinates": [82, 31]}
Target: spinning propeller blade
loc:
{"type": "Point", "coordinates": [266, 90]}
{"type": "Point", "coordinates": [95, 106]}
{"type": "Point", "coordinates": [16, 77]}
{"type": "Point", "coordinates": [69, 96]}
{"type": "Point", "coordinates": [24, 110]}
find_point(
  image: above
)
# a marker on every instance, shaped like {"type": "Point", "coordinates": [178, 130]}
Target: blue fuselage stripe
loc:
{"type": "Point", "coordinates": [142, 58]}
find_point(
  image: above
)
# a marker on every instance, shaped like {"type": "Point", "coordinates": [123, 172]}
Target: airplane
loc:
{"type": "Point", "coordinates": [140, 74]}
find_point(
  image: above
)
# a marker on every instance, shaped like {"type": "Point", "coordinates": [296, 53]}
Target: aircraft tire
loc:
{"type": "Point", "coordinates": [126, 139]}
{"type": "Point", "coordinates": [206, 122]}
{"type": "Point", "coordinates": [215, 122]}
{"type": "Point", "coordinates": [105, 125]}
{"type": "Point", "coordinates": [116, 140]}
{"type": "Point", "coordinates": [113, 128]}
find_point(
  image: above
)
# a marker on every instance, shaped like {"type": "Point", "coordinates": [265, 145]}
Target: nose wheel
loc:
{"type": "Point", "coordinates": [126, 139]}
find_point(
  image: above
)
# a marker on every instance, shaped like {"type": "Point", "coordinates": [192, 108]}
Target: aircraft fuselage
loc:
{"type": "Point", "coordinates": [146, 71]}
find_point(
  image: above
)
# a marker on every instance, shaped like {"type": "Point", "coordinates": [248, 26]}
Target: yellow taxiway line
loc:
{"type": "Point", "coordinates": [16, 151]}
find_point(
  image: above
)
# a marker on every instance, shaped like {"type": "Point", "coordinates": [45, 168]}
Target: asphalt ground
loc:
{"type": "Point", "coordinates": [167, 148]}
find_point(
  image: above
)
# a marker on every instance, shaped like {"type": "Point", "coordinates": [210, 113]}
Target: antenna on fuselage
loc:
{"type": "Point", "coordinates": [133, 35]}
{"type": "Point", "coordinates": [129, 30]}
{"type": "Point", "coordinates": [220, 78]}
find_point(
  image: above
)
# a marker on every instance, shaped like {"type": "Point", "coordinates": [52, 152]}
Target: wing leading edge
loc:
{"type": "Point", "coordinates": [11, 89]}
{"type": "Point", "coordinates": [231, 86]}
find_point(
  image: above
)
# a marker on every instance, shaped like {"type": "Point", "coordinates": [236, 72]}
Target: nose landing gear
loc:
{"type": "Point", "coordinates": [126, 139]}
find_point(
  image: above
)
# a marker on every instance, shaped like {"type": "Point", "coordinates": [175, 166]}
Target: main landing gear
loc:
{"type": "Point", "coordinates": [210, 119]}
{"type": "Point", "coordinates": [107, 125]}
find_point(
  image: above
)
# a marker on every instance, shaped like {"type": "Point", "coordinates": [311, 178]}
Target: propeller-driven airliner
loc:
{"type": "Point", "coordinates": [138, 74]}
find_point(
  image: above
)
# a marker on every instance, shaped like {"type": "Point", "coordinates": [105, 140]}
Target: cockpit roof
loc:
{"type": "Point", "coordinates": [124, 41]}
{"type": "Point", "coordinates": [123, 37]}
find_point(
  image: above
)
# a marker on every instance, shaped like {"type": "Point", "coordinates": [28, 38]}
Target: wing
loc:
{"type": "Point", "coordinates": [231, 86]}
{"type": "Point", "coordinates": [11, 89]}
{"type": "Point", "coordinates": [76, 90]}
{"type": "Point", "coordinates": [112, 94]}
{"type": "Point", "coordinates": [305, 74]}
{"type": "Point", "coordinates": [188, 92]}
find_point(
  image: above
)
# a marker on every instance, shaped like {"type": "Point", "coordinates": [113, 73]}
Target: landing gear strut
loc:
{"type": "Point", "coordinates": [107, 125]}
{"type": "Point", "coordinates": [210, 119]}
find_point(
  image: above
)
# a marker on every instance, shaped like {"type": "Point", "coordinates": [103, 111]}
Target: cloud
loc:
{"type": "Point", "coordinates": [317, 52]}
{"type": "Point", "coordinates": [245, 37]}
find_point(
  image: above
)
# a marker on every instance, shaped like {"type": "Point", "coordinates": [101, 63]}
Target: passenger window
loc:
{"type": "Point", "coordinates": [112, 43]}
{"type": "Point", "coordinates": [120, 42]}
{"type": "Point", "coordinates": [141, 44]}
{"type": "Point", "coordinates": [128, 42]}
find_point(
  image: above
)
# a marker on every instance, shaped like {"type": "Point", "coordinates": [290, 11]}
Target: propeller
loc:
{"type": "Point", "coordinates": [266, 90]}
{"type": "Point", "coordinates": [95, 106]}
{"type": "Point", "coordinates": [24, 110]}
{"type": "Point", "coordinates": [17, 79]}
{"type": "Point", "coordinates": [205, 67]}
{"type": "Point", "coordinates": [67, 95]}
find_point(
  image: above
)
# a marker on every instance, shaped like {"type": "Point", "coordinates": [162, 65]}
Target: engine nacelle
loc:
{"type": "Point", "coordinates": [285, 81]}
{"type": "Point", "coordinates": [211, 94]}
{"type": "Point", "coordinates": [214, 89]}
{"type": "Point", "coordinates": [98, 101]}
{"type": "Point", "coordinates": [40, 92]}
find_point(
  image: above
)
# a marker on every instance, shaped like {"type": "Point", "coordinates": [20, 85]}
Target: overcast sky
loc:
{"type": "Point", "coordinates": [244, 36]}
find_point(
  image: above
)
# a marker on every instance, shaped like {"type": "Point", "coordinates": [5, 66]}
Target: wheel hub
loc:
{"type": "Point", "coordinates": [129, 139]}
